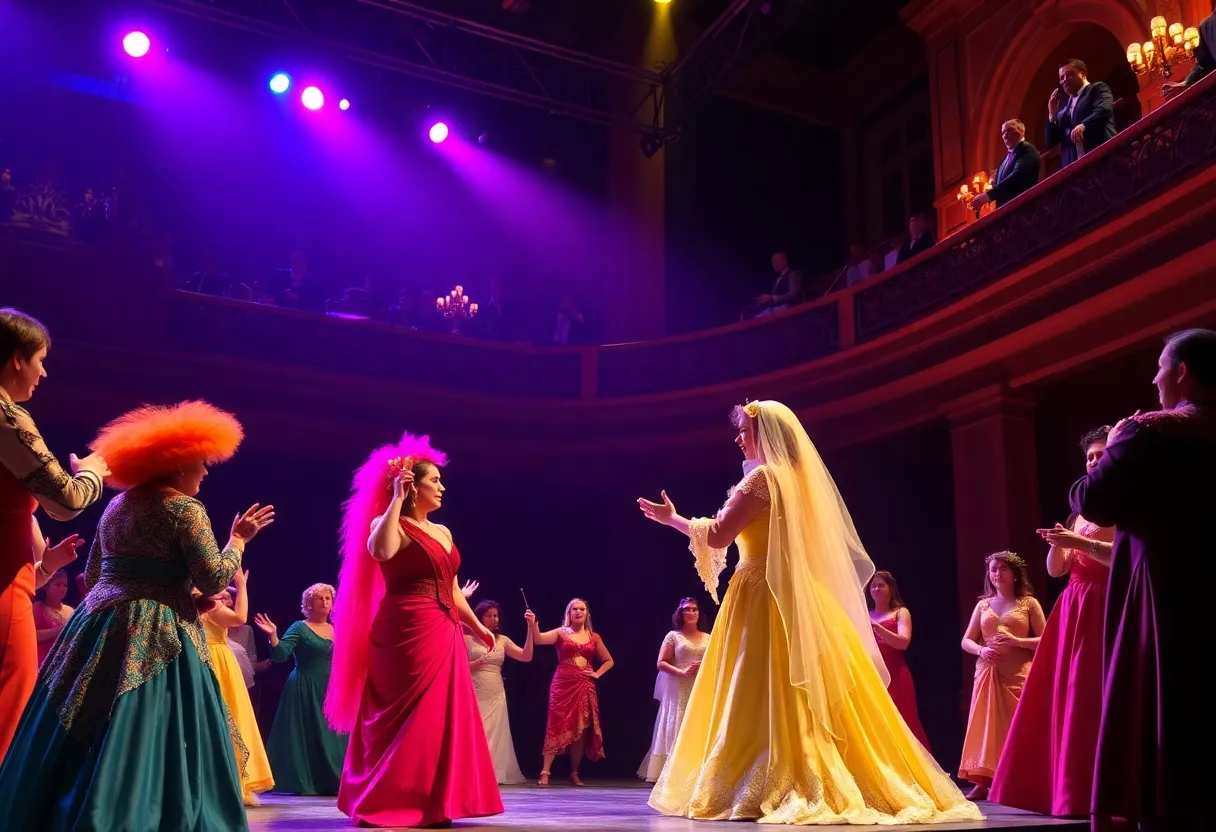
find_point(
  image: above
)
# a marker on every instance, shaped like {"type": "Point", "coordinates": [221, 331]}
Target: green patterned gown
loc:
{"type": "Point", "coordinates": [126, 728]}
{"type": "Point", "coordinates": [305, 753]}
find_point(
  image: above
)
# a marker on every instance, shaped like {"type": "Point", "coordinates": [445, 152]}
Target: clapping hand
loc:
{"type": "Point", "coordinates": [246, 526]}
{"type": "Point", "coordinates": [658, 512]}
{"type": "Point", "coordinates": [1053, 103]}
{"type": "Point", "coordinates": [692, 670]}
{"type": "Point", "coordinates": [60, 555]}
{"type": "Point", "coordinates": [1062, 537]}
{"type": "Point", "coordinates": [469, 588]}
{"type": "Point", "coordinates": [93, 462]}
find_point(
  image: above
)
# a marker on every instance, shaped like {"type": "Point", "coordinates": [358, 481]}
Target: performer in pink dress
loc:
{"type": "Point", "coordinates": [400, 683]}
{"type": "Point", "coordinates": [892, 622]}
{"type": "Point", "coordinates": [1048, 762]}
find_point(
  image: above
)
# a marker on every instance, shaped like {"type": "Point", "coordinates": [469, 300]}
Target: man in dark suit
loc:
{"type": "Point", "coordinates": [1018, 171]}
{"type": "Point", "coordinates": [920, 238]}
{"type": "Point", "coordinates": [1080, 115]}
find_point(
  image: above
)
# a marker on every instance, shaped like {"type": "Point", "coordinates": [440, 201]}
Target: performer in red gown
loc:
{"type": "Point", "coordinates": [892, 622]}
{"type": "Point", "coordinates": [400, 685]}
{"type": "Point", "coordinates": [1047, 765]}
{"type": "Point", "coordinates": [574, 711]}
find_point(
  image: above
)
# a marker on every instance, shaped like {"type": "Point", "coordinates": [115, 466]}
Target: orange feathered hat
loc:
{"type": "Point", "coordinates": [153, 441]}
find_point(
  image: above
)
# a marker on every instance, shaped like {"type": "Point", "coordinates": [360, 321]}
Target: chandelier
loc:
{"type": "Point", "coordinates": [455, 307]}
{"type": "Point", "coordinates": [1168, 47]}
{"type": "Point", "coordinates": [980, 183]}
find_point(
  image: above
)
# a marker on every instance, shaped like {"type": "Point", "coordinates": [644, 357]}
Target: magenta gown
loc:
{"type": "Point", "coordinates": [902, 689]}
{"type": "Point", "coordinates": [1048, 762]}
{"type": "Point", "coordinates": [418, 753]}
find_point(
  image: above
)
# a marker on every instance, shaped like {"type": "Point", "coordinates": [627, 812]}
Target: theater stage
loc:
{"type": "Point", "coordinates": [616, 806]}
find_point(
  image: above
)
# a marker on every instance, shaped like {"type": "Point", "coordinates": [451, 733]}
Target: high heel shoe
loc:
{"type": "Point", "coordinates": [574, 778]}
{"type": "Point", "coordinates": [543, 780]}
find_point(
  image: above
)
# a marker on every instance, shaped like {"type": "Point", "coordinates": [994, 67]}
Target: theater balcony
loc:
{"type": "Point", "coordinates": [1102, 256]}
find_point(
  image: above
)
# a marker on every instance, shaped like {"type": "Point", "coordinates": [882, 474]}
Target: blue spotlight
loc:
{"type": "Point", "coordinates": [279, 83]}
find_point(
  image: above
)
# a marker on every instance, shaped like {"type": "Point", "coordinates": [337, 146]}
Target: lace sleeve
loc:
{"type": "Point", "coordinates": [710, 562]}
{"type": "Point", "coordinates": [755, 484]}
{"type": "Point", "coordinates": [26, 456]}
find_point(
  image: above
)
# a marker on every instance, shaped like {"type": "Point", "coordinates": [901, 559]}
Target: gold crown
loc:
{"type": "Point", "coordinates": [752, 409]}
{"type": "Point", "coordinates": [400, 463]}
{"type": "Point", "coordinates": [1011, 557]}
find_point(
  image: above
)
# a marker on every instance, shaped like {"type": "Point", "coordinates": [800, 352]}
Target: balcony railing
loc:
{"type": "Point", "coordinates": [1162, 150]}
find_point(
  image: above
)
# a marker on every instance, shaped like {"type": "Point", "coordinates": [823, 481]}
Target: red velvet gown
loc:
{"type": "Point", "coordinates": [1047, 765]}
{"type": "Point", "coordinates": [418, 753]}
{"type": "Point", "coordinates": [574, 708]}
{"type": "Point", "coordinates": [902, 689]}
{"type": "Point", "coordinates": [18, 637]}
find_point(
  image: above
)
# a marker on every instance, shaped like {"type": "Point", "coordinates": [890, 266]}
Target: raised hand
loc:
{"type": "Point", "coordinates": [1115, 433]}
{"type": "Point", "coordinates": [658, 512]}
{"type": "Point", "coordinates": [241, 578]}
{"type": "Point", "coordinates": [247, 525]}
{"type": "Point", "coordinates": [403, 485]}
{"type": "Point", "coordinates": [264, 624]}
{"type": "Point", "coordinates": [1053, 103]}
{"type": "Point", "coordinates": [469, 588]}
{"type": "Point", "coordinates": [530, 617]}
{"type": "Point", "coordinates": [93, 462]}
{"type": "Point", "coordinates": [60, 555]}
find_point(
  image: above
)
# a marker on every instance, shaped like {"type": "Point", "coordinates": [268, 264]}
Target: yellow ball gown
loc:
{"type": "Point", "coordinates": [751, 747]}
{"type": "Point", "coordinates": [255, 774]}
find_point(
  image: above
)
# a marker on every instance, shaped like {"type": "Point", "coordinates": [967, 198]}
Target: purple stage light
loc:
{"type": "Point", "coordinates": [344, 104]}
{"type": "Point", "coordinates": [312, 98]}
{"type": "Point", "coordinates": [136, 44]}
{"type": "Point", "coordinates": [438, 132]}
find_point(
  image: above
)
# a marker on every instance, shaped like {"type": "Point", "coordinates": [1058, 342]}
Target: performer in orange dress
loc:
{"type": "Point", "coordinates": [574, 711]}
{"type": "Point", "coordinates": [30, 477]}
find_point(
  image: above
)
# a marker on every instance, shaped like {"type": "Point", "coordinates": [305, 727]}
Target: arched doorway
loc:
{"type": "Point", "coordinates": [1107, 61]}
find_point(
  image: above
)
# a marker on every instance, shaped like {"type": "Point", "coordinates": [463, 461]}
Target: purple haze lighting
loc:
{"type": "Point", "coordinates": [344, 104]}
{"type": "Point", "coordinates": [438, 132]}
{"type": "Point", "coordinates": [312, 98]}
{"type": "Point", "coordinates": [136, 44]}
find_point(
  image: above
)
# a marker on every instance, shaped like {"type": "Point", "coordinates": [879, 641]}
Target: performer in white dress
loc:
{"type": "Point", "coordinates": [679, 660]}
{"type": "Point", "coordinates": [486, 667]}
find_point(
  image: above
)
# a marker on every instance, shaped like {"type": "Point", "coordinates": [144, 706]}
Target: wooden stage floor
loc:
{"type": "Point", "coordinates": [620, 807]}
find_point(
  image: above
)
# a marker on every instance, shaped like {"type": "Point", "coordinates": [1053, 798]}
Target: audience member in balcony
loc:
{"type": "Point", "coordinates": [1154, 484]}
{"type": "Point", "coordinates": [859, 267]}
{"type": "Point", "coordinates": [571, 323]}
{"type": "Point", "coordinates": [497, 315]}
{"type": "Point", "coordinates": [301, 291]}
{"type": "Point", "coordinates": [209, 280]}
{"type": "Point", "coordinates": [787, 288]}
{"type": "Point", "coordinates": [1003, 635]}
{"type": "Point", "coordinates": [1080, 114]}
{"type": "Point", "coordinates": [1018, 171]}
{"type": "Point", "coordinates": [1205, 62]}
{"type": "Point", "coordinates": [920, 238]}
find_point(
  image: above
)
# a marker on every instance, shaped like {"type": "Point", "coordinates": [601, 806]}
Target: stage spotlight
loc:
{"type": "Point", "coordinates": [136, 44]}
{"type": "Point", "coordinates": [438, 132]}
{"type": "Point", "coordinates": [312, 98]}
{"type": "Point", "coordinates": [280, 83]}
{"type": "Point", "coordinates": [344, 104]}
{"type": "Point", "coordinates": [662, 2]}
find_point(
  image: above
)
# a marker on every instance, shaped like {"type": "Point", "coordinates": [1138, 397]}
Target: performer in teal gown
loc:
{"type": "Point", "coordinates": [305, 753]}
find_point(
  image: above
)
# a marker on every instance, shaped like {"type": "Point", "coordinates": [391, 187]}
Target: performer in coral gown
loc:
{"type": "Point", "coordinates": [400, 683]}
{"type": "Point", "coordinates": [893, 631]}
{"type": "Point", "coordinates": [30, 477]}
{"type": "Point", "coordinates": [1048, 762]}
{"type": "Point", "coordinates": [789, 719]}
{"type": "Point", "coordinates": [1003, 634]}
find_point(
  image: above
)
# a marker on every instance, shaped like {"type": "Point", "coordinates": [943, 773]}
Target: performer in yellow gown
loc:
{"type": "Point", "coordinates": [789, 720]}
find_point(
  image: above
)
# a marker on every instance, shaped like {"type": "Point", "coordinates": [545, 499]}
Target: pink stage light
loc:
{"type": "Point", "coordinates": [136, 44]}
{"type": "Point", "coordinates": [438, 132]}
{"type": "Point", "coordinates": [344, 105]}
{"type": "Point", "coordinates": [312, 98]}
